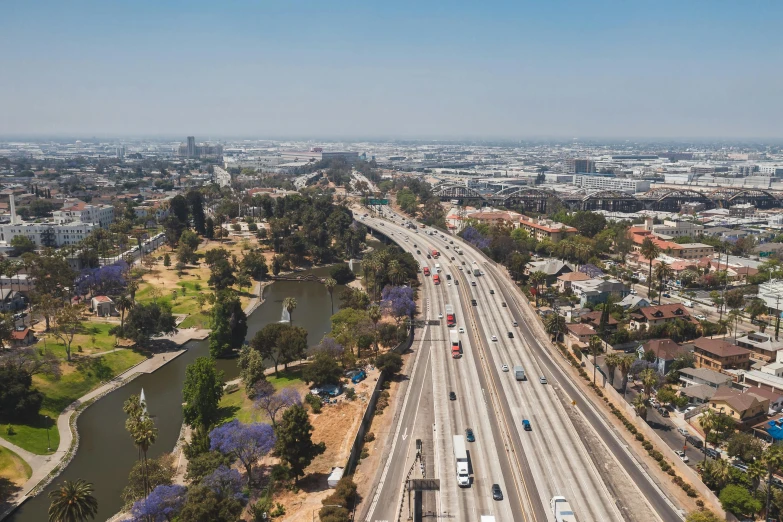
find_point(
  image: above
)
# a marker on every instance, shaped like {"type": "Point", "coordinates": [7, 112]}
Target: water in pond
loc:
{"type": "Point", "coordinates": [106, 453]}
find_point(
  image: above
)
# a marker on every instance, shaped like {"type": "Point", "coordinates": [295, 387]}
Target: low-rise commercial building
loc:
{"type": "Point", "coordinates": [541, 229]}
{"type": "Point", "coordinates": [609, 183]}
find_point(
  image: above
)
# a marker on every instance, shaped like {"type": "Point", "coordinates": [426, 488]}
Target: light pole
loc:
{"type": "Point", "coordinates": [325, 505]}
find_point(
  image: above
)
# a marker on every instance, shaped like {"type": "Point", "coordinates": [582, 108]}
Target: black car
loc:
{"type": "Point", "coordinates": [452, 396]}
{"type": "Point", "coordinates": [418, 251]}
{"type": "Point", "coordinates": [693, 441]}
{"type": "Point", "coordinates": [456, 281]}
{"type": "Point", "coordinates": [510, 335]}
{"type": "Point", "coordinates": [473, 302]}
{"type": "Point", "coordinates": [504, 304]}
{"type": "Point", "coordinates": [496, 493]}
{"type": "Point", "coordinates": [448, 276]}
{"type": "Point", "coordinates": [429, 256]}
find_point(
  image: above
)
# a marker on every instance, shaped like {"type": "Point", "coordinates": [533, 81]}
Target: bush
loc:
{"type": "Point", "coordinates": [231, 388]}
{"type": "Point", "coordinates": [365, 453]}
{"type": "Point", "coordinates": [369, 436]}
{"type": "Point", "coordinates": [639, 437]}
{"type": "Point", "coordinates": [350, 394]}
{"type": "Point", "coordinates": [314, 401]}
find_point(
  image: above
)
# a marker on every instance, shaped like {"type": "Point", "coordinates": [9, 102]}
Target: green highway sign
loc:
{"type": "Point", "coordinates": [377, 201]}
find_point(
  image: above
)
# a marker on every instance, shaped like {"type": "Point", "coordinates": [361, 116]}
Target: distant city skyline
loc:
{"type": "Point", "coordinates": [700, 70]}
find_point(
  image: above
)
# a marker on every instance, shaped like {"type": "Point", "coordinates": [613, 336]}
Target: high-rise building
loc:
{"type": "Point", "coordinates": [579, 166]}
{"type": "Point", "coordinates": [191, 150]}
{"type": "Point", "coordinates": [191, 147]}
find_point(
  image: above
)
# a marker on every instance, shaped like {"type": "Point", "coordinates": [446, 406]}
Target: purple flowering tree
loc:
{"type": "Point", "coordinates": [330, 346]}
{"type": "Point", "coordinates": [398, 301]}
{"type": "Point", "coordinates": [246, 442]}
{"type": "Point", "coordinates": [274, 402]}
{"type": "Point", "coordinates": [474, 237]}
{"type": "Point", "coordinates": [161, 505]}
{"type": "Point", "coordinates": [225, 482]}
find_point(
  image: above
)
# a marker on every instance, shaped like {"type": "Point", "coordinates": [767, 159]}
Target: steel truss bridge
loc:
{"type": "Point", "coordinates": [536, 199]}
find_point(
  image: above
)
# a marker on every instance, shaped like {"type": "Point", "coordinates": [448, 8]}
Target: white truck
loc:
{"type": "Point", "coordinates": [487, 518]}
{"type": "Point", "coordinates": [562, 510]}
{"type": "Point", "coordinates": [461, 458]}
{"type": "Point", "coordinates": [519, 373]}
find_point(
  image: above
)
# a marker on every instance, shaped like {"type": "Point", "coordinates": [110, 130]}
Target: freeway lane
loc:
{"type": "Point", "coordinates": [654, 496]}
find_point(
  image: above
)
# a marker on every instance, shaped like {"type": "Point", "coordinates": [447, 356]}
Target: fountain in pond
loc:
{"type": "Point", "coordinates": [285, 317]}
{"type": "Point", "coordinates": [350, 264]}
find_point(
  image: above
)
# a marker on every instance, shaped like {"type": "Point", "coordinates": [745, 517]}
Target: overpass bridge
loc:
{"type": "Point", "coordinates": [539, 199]}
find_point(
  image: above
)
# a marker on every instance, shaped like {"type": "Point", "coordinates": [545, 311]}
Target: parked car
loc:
{"type": "Point", "coordinates": [682, 455]}
{"type": "Point", "coordinates": [358, 377]}
{"type": "Point", "coordinates": [683, 432]}
{"type": "Point", "coordinates": [695, 442]}
{"type": "Point", "coordinates": [712, 453]}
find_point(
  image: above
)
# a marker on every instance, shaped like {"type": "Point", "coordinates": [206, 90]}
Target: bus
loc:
{"type": "Point", "coordinates": [435, 253]}
{"type": "Point", "coordinates": [435, 279]}
{"type": "Point", "coordinates": [426, 270]}
{"type": "Point", "coordinates": [451, 319]}
{"type": "Point", "coordinates": [456, 344]}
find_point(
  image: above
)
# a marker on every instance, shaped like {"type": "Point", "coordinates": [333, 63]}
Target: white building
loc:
{"type": "Point", "coordinates": [101, 215]}
{"type": "Point", "coordinates": [609, 183]}
{"type": "Point", "coordinates": [677, 228]}
{"type": "Point", "coordinates": [47, 234]}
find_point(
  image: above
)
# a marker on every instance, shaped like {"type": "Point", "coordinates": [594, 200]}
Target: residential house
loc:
{"type": "Point", "coordinates": [11, 300]}
{"type": "Point", "coordinates": [697, 376]}
{"type": "Point", "coordinates": [21, 338]}
{"type": "Point", "coordinates": [541, 229]}
{"type": "Point", "coordinates": [591, 270]}
{"type": "Point", "coordinates": [775, 398]}
{"type": "Point", "coordinates": [763, 380]}
{"type": "Point", "coordinates": [594, 319]}
{"type": "Point", "coordinates": [698, 394]}
{"type": "Point", "coordinates": [553, 268]}
{"type": "Point", "coordinates": [632, 302]}
{"type": "Point", "coordinates": [765, 346]}
{"type": "Point", "coordinates": [666, 351]}
{"type": "Point", "coordinates": [719, 355]}
{"type": "Point", "coordinates": [595, 291]}
{"type": "Point", "coordinates": [745, 408]}
{"type": "Point", "coordinates": [654, 315]}
{"type": "Point", "coordinates": [102, 305]}
{"type": "Point", "coordinates": [579, 334]}
{"type": "Point", "coordinates": [564, 281]}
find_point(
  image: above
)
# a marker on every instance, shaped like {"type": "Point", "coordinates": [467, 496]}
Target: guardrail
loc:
{"type": "Point", "coordinates": [369, 412]}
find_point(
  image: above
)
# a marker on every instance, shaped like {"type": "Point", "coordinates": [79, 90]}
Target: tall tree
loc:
{"type": "Point", "coordinates": [663, 272]}
{"type": "Point", "coordinates": [330, 285]}
{"type": "Point", "coordinates": [374, 313]}
{"type": "Point", "coordinates": [650, 251]}
{"type": "Point", "coordinates": [145, 321]}
{"type": "Point", "coordinates": [294, 444]}
{"type": "Point", "coordinates": [596, 346]}
{"type": "Point", "coordinates": [612, 361]}
{"type": "Point", "coordinates": [537, 278]}
{"type": "Point", "coordinates": [68, 322]}
{"type": "Point", "coordinates": [245, 442]}
{"type": "Point", "coordinates": [73, 501]}
{"type": "Point", "coordinates": [555, 324]}
{"type": "Point", "coordinates": [229, 325]}
{"type": "Point", "coordinates": [202, 391]}
{"type": "Point", "coordinates": [196, 201]}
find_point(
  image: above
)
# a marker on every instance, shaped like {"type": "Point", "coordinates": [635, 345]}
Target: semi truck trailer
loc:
{"type": "Point", "coordinates": [561, 509]}
{"type": "Point", "coordinates": [461, 458]}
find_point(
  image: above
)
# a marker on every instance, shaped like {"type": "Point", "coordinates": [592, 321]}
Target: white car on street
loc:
{"type": "Point", "coordinates": [494, 338]}
{"type": "Point", "coordinates": [682, 455]}
{"type": "Point", "coordinates": [461, 330]}
{"type": "Point", "coordinates": [701, 317]}
{"type": "Point", "coordinates": [504, 367]}
{"type": "Point", "coordinates": [440, 316]}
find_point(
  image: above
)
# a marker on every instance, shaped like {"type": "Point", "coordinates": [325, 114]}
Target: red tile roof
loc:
{"type": "Point", "coordinates": [665, 349]}
{"type": "Point", "coordinates": [20, 336]}
{"type": "Point", "coordinates": [667, 311]}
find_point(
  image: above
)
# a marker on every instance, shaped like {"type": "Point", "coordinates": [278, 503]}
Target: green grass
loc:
{"type": "Point", "coordinates": [198, 320]}
{"type": "Point", "coordinates": [238, 405]}
{"type": "Point", "coordinates": [13, 467]}
{"type": "Point", "coordinates": [292, 377]}
{"type": "Point", "coordinates": [98, 331]}
{"type": "Point", "coordinates": [80, 377]}
{"type": "Point", "coordinates": [186, 304]}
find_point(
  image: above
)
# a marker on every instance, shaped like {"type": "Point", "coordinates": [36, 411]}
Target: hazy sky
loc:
{"type": "Point", "coordinates": [447, 69]}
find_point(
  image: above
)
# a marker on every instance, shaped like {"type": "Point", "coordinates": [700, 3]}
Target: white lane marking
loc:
{"type": "Point", "coordinates": [405, 435]}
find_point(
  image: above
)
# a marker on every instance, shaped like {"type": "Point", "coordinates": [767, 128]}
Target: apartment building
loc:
{"type": "Point", "coordinates": [101, 215]}
{"type": "Point", "coordinates": [661, 314]}
{"type": "Point", "coordinates": [677, 228]}
{"type": "Point", "coordinates": [719, 355]}
{"type": "Point", "coordinates": [577, 166]}
{"type": "Point", "coordinates": [541, 229]}
{"type": "Point", "coordinates": [609, 183]}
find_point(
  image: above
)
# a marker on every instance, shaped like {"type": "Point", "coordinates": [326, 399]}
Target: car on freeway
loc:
{"type": "Point", "coordinates": [542, 379]}
{"type": "Point", "coordinates": [472, 283]}
{"type": "Point", "coordinates": [491, 292]}
{"type": "Point", "coordinates": [510, 335]}
{"type": "Point", "coordinates": [497, 494]}
{"type": "Point", "coordinates": [516, 323]}
{"type": "Point", "coordinates": [503, 305]}
{"type": "Point", "coordinates": [504, 367]}
{"type": "Point", "coordinates": [452, 258]}
{"type": "Point", "coordinates": [440, 316]}
{"type": "Point", "coordinates": [429, 256]}
{"type": "Point", "coordinates": [452, 396]}
{"type": "Point", "coordinates": [460, 267]}
{"type": "Point", "coordinates": [418, 251]}
{"type": "Point", "coordinates": [469, 435]}
{"type": "Point", "coordinates": [473, 302]}
{"type": "Point", "coordinates": [526, 425]}
{"type": "Point", "coordinates": [456, 282]}
{"type": "Point", "coordinates": [461, 330]}
{"type": "Point", "coordinates": [494, 338]}
{"type": "Point", "coordinates": [682, 455]}
{"type": "Point", "coordinates": [448, 284]}
{"type": "Point", "coordinates": [448, 276]}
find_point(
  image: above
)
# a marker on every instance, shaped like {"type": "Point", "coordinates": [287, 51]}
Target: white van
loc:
{"type": "Point", "coordinates": [689, 304]}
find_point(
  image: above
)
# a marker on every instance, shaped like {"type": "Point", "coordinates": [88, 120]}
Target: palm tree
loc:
{"type": "Point", "coordinates": [640, 405]}
{"type": "Point", "coordinates": [123, 304]}
{"type": "Point", "coordinates": [374, 313]}
{"type": "Point", "coordinates": [663, 272]}
{"type": "Point", "coordinates": [735, 316]}
{"type": "Point", "coordinates": [141, 429]}
{"type": "Point", "coordinates": [612, 361]}
{"type": "Point", "coordinates": [395, 271]}
{"type": "Point", "coordinates": [330, 283]}
{"type": "Point", "coordinates": [626, 361]}
{"type": "Point", "coordinates": [709, 421]}
{"type": "Point", "coordinates": [289, 303]}
{"type": "Point", "coordinates": [555, 324]}
{"type": "Point", "coordinates": [773, 461]}
{"type": "Point", "coordinates": [756, 472]}
{"type": "Point", "coordinates": [537, 278]}
{"type": "Point", "coordinates": [72, 502]}
{"type": "Point", "coordinates": [596, 346]}
{"type": "Point", "coordinates": [650, 251]}
{"type": "Point", "coordinates": [649, 378]}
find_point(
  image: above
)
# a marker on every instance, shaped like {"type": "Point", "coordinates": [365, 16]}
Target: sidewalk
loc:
{"type": "Point", "coordinates": [44, 465]}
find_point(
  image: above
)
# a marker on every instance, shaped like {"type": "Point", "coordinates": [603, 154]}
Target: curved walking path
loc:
{"type": "Point", "coordinates": [43, 465]}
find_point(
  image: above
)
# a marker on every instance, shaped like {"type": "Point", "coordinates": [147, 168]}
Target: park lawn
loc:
{"type": "Point", "coordinates": [79, 378]}
{"type": "Point", "coordinates": [13, 467]}
{"type": "Point", "coordinates": [197, 320]}
{"type": "Point", "coordinates": [104, 341]}
{"type": "Point", "coordinates": [238, 405]}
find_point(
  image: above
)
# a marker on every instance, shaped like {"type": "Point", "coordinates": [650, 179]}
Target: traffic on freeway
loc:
{"type": "Point", "coordinates": [526, 443]}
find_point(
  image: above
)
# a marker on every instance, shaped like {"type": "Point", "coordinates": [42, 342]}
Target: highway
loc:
{"type": "Point", "coordinates": [552, 459]}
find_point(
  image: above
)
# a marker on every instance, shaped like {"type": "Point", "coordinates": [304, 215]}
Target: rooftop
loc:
{"type": "Point", "coordinates": [706, 375]}
{"type": "Point", "coordinates": [719, 347]}
{"type": "Point", "coordinates": [665, 349]}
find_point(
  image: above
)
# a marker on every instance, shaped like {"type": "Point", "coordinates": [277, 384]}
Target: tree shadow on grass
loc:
{"type": "Point", "coordinates": [7, 492]}
{"type": "Point", "coordinates": [226, 413]}
{"type": "Point", "coordinates": [314, 482]}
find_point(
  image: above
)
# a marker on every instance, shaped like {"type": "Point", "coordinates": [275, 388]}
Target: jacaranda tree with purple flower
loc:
{"type": "Point", "coordinates": [246, 442]}
{"type": "Point", "coordinates": [225, 482]}
{"type": "Point", "coordinates": [474, 237]}
{"type": "Point", "coordinates": [161, 505]}
{"type": "Point", "coordinates": [398, 301]}
{"type": "Point", "coordinates": [273, 402]}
